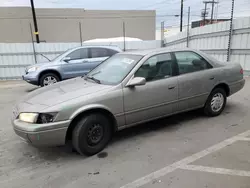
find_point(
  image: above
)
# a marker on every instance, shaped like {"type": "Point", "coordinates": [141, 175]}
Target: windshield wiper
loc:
{"type": "Point", "coordinates": [95, 73]}
{"type": "Point", "coordinates": [92, 78]}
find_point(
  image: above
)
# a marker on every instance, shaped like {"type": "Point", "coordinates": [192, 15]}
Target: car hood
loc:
{"type": "Point", "coordinates": [43, 64]}
{"type": "Point", "coordinates": [63, 91]}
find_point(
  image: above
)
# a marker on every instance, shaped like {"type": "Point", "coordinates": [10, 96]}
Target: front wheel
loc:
{"type": "Point", "coordinates": [216, 102]}
{"type": "Point", "coordinates": [49, 79]}
{"type": "Point", "coordinates": [91, 134]}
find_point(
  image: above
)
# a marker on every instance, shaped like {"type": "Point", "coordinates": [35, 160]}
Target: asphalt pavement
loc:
{"type": "Point", "coordinates": [185, 150]}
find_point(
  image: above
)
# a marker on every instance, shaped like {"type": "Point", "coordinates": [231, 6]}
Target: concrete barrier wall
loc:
{"type": "Point", "coordinates": [15, 57]}
{"type": "Point", "coordinates": [213, 39]}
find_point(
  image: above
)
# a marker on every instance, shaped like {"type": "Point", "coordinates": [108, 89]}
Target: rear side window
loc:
{"type": "Point", "coordinates": [111, 52]}
{"type": "Point", "coordinates": [79, 54]}
{"type": "Point", "coordinates": [101, 52]}
{"type": "Point", "coordinates": [190, 62]}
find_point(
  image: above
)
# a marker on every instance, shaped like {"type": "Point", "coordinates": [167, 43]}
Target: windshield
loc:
{"type": "Point", "coordinates": [58, 57]}
{"type": "Point", "coordinates": [115, 69]}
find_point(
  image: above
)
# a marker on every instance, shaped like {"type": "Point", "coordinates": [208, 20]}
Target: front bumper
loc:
{"type": "Point", "coordinates": [51, 134]}
{"type": "Point", "coordinates": [32, 79]}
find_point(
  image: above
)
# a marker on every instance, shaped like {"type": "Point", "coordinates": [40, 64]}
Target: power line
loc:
{"type": "Point", "coordinates": [230, 12]}
{"type": "Point", "coordinates": [158, 3]}
{"type": "Point", "coordinates": [162, 3]}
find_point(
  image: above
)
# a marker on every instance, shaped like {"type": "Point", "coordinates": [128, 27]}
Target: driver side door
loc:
{"type": "Point", "coordinates": [78, 63]}
{"type": "Point", "coordinates": [158, 97]}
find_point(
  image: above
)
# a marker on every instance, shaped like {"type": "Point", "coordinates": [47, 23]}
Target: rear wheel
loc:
{"type": "Point", "coordinates": [91, 134]}
{"type": "Point", "coordinates": [49, 79]}
{"type": "Point", "coordinates": [216, 102]}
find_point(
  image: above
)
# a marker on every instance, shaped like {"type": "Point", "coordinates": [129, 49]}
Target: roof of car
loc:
{"type": "Point", "coordinates": [116, 48]}
{"type": "Point", "coordinates": [155, 51]}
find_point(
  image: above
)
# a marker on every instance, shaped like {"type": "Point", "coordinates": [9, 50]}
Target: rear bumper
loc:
{"type": "Point", "coordinates": [237, 86]}
{"type": "Point", "coordinates": [54, 134]}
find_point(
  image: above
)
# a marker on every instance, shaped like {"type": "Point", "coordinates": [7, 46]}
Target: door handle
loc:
{"type": "Point", "coordinates": [211, 78]}
{"type": "Point", "coordinates": [171, 87]}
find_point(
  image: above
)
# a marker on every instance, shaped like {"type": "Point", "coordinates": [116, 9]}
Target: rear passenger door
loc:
{"type": "Point", "coordinates": [195, 81]}
{"type": "Point", "coordinates": [98, 55]}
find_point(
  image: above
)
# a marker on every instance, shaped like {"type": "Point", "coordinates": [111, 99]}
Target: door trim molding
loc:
{"type": "Point", "coordinates": [163, 104]}
{"type": "Point", "coordinates": [159, 117]}
{"type": "Point", "coordinates": [150, 107]}
{"type": "Point", "coordinates": [187, 98]}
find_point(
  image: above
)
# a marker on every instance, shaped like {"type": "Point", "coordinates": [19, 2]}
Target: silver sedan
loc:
{"type": "Point", "coordinates": [127, 89]}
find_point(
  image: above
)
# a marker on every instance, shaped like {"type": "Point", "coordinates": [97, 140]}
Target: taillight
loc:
{"type": "Point", "coordinates": [241, 71]}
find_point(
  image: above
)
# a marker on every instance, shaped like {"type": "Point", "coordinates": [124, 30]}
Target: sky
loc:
{"type": "Point", "coordinates": [165, 9]}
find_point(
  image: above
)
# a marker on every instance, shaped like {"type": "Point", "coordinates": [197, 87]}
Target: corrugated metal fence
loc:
{"type": "Point", "coordinates": [213, 39]}
{"type": "Point", "coordinates": [15, 57]}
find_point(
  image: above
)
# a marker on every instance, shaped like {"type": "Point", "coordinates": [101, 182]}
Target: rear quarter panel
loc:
{"type": "Point", "coordinates": [230, 73]}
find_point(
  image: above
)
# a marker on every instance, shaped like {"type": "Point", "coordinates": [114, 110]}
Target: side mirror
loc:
{"type": "Point", "coordinates": [66, 59]}
{"type": "Point", "coordinates": [136, 81]}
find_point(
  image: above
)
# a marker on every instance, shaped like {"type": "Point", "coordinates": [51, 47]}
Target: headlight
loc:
{"type": "Point", "coordinates": [37, 118]}
{"type": "Point", "coordinates": [32, 69]}
{"type": "Point", "coordinates": [28, 117]}
{"type": "Point", "coordinates": [46, 118]}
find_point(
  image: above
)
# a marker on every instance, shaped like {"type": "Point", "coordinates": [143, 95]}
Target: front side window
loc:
{"type": "Point", "coordinates": [115, 69]}
{"type": "Point", "coordinates": [190, 62]}
{"type": "Point", "coordinates": [78, 54]}
{"type": "Point", "coordinates": [156, 67]}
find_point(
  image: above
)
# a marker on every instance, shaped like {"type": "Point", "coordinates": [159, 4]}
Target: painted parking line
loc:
{"type": "Point", "coordinates": [216, 170]}
{"type": "Point", "coordinates": [184, 162]}
{"type": "Point", "coordinates": [243, 139]}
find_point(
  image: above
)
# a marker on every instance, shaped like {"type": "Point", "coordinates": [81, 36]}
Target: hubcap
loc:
{"type": "Point", "coordinates": [49, 80]}
{"type": "Point", "coordinates": [95, 134]}
{"type": "Point", "coordinates": [217, 102]}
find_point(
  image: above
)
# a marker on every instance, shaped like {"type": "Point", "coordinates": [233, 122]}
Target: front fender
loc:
{"type": "Point", "coordinates": [89, 107]}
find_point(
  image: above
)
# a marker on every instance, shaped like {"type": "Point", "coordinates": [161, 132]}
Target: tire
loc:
{"type": "Point", "coordinates": [46, 76]}
{"type": "Point", "coordinates": [86, 129]}
{"type": "Point", "coordinates": [216, 93]}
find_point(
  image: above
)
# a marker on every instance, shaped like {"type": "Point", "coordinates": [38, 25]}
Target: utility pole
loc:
{"type": "Point", "coordinates": [212, 12]}
{"type": "Point", "coordinates": [205, 13]}
{"type": "Point", "coordinates": [162, 33]}
{"type": "Point", "coordinates": [35, 22]}
{"type": "Point", "coordinates": [181, 16]}
{"type": "Point", "coordinates": [230, 32]}
{"type": "Point", "coordinates": [217, 11]}
{"type": "Point", "coordinates": [124, 36]}
{"type": "Point", "coordinates": [188, 27]}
